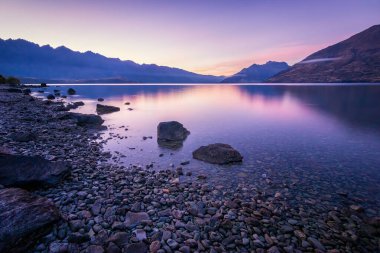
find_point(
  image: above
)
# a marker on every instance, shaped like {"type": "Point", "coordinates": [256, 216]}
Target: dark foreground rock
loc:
{"type": "Point", "coordinates": [171, 134]}
{"type": "Point", "coordinates": [24, 218]}
{"type": "Point", "coordinates": [103, 109]}
{"type": "Point", "coordinates": [218, 153]}
{"type": "Point", "coordinates": [30, 171]}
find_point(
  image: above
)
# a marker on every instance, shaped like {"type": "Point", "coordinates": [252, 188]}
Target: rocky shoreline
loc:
{"type": "Point", "coordinates": [105, 207]}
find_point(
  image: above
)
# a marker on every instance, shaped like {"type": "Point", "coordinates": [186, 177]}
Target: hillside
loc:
{"type": "Point", "coordinates": [356, 59]}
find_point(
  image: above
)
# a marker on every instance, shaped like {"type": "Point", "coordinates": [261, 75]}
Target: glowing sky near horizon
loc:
{"type": "Point", "coordinates": [217, 37]}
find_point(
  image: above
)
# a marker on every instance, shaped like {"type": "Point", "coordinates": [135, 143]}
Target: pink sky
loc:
{"type": "Point", "coordinates": [218, 37]}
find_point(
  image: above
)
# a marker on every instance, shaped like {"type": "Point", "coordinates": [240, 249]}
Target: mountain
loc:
{"type": "Point", "coordinates": [356, 59]}
{"type": "Point", "coordinates": [257, 73]}
{"type": "Point", "coordinates": [34, 63]}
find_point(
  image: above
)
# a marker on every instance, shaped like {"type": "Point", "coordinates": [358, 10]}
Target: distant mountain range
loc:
{"type": "Point", "coordinates": [257, 73]}
{"type": "Point", "coordinates": [33, 63]}
{"type": "Point", "coordinates": [356, 59]}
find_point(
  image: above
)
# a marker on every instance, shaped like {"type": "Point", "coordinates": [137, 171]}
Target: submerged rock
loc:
{"type": "Point", "coordinates": [30, 171]}
{"type": "Point", "coordinates": [217, 153]}
{"type": "Point", "coordinates": [103, 109]}
{"type": "Point", "coordinates": [171, 134]}
{"type": "Point", "coordinates": [71, 91]}
{"type": "Point", "coordinates": [24, 218]}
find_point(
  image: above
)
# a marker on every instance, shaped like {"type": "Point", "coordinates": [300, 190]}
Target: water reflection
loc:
{"type": "Point", "coordinates": [356, 105]}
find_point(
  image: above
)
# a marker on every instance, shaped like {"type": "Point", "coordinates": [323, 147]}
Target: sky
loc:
{"type": "Point", "coordinates": [218, 37]}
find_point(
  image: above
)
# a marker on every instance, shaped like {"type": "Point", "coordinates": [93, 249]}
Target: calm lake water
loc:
{"type": "Point", "coordinates": [318, 142]}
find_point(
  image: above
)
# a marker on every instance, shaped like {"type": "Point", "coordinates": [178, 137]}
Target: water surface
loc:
{"type": "Point", "coordinates": [318, 142]}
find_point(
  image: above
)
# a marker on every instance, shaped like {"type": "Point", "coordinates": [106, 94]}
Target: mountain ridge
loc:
{"type": "Point", "coordinates": [30, 61]}
{"type": "Point", "coordinates": [257, 72]}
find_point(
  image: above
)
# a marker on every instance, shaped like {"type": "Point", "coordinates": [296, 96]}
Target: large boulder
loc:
{"type": "Point", "coordinates": [24, 218]}
{"type": "Point", "coordinates": [30, 171]}
{"type": "Point", "coordinates": [103, 109]}
{"type": "Point", "coordinates": [217, 153]}
{"type": "Point", "coordinates": [171, 134]}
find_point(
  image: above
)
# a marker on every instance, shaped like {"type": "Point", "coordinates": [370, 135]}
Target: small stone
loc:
{"type": "Point", "coordinates": [140, 234]}
{"type": "Point", "coordinates": [357, 208]}
{"type": "Point", "coordinates": [75, 225]}
{"type": "Point", "coordinates": [172, 243]}
{"type": "Point", "coordinates": [119, 238]}
{"type": "Point", "coordinates": [166, 235]}
{"type": "Point", "coordinates": [154, 246]}
{"type": "Point", "coordinates": [273, 249]}
{"type": "Point", "coordinates": [95, 249]}
{"type": "Point", "coordinates": [134, 218]}
{"type": "Point", "coordinates": [78, 238]}
{"type": "Point", "coordinates": [185, 249]}
{"type": "Point", "coordinates": [112, 248]}
{"type": "Point", "coordinates": [316, 243]}
{"type": "Point", "coordinates": [299, 234]}
{"type": "Point", "coordinates": [136, 248]}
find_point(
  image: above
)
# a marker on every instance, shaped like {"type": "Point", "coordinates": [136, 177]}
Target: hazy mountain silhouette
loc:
{"type": "Point", "coordinates": [32, 63]}
{"type": "Point", "coordinates": [356, 59]}
{"type": "Point", "coordinates": [257, 73]}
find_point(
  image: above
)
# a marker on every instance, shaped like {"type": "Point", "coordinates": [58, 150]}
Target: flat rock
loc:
{"type": "Point", "coordinates": [217, 153]}
{"type": "Point", "coordinates": [30, 171]}
{"type": "Point", "coordinates": [104, 109]}
{"type": "Point", "coordinates": [24, 218]}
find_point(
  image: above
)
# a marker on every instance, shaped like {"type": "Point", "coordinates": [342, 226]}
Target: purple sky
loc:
{"type": "Point", "coordinates": [204, 36]}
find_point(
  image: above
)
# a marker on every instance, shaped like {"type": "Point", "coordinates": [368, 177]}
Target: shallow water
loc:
{"type": "Point", "coordinates": [315, 141]}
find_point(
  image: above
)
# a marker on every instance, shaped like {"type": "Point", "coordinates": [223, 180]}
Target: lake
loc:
{"type": "Point", "coordinates": [321, 143]}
